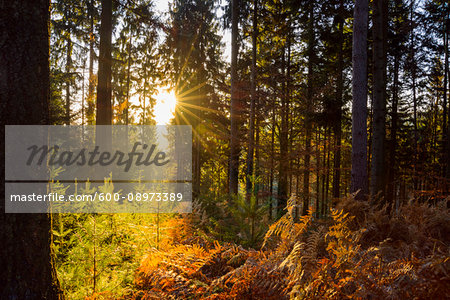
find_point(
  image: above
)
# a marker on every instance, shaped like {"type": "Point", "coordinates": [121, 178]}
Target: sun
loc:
{"type": "Point", "coordinates": [164, 109]}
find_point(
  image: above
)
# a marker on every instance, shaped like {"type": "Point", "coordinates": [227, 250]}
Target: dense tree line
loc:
{"type": "Point", "coordinates": [277, 116]}
{"type": "Point", "coordinates": [318, 99]}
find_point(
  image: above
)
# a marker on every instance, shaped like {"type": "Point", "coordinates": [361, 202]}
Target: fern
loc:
{"type": "Point", "coordinates": [286, 228]}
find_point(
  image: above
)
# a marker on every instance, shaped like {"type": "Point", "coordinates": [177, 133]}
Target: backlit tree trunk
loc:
{"type": "Point", "coordinates": [104, 105]}
{"type": "Point", "coordinates": [339, 91]}
{"type": "Point", "coordinates": [235, 105]}
{"type": "Point", "coordinates": [251, 138]}
{"type": "Point", "coordinates": [308, 121]}
{"type": "Point", "coordinates": [90, 99]}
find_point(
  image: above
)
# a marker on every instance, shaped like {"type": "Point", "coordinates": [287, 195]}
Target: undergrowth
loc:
{"type": "Point", "coordinates": [361, 252]}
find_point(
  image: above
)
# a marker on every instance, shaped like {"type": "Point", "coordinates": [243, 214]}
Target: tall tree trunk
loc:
{"type": "Point", "coordinates": [413, 79]}
{"type": "Point", "coordinates": [68, 74]}
{"type": "Point", "coordinates": [284, 136]}
{"type": "Point", "coordinates": [318, 162]}
{"type": "Point", "coordinates": [297, 180]}
{"type": "Point", "coordinates": [257, 171]}
{"type": "Point", "coordinates": [339, 102]}
{"type": "Point", "coordinates": [446, 148]}
{"type": "Point", "coordinates": [144, 107]}
{"type": "Point", "coordinates": [235, 105]}
{"type": "Point", "coordinates": [197, 145]}
{"type": "Point", "coordinates": [290, 118]}
{"type": "Point", "coordinates": [83, 110]}
{"type": "Point", "coordinates": [308, 111]}
{"type": "Point", "coordinates": [26, 267]}
{"type": "Point", "coordinates": [390, 194]}
{"type": "Point", "coordinates": [377, 183]}
{"type": "Point", "coordinates": [359, 108]}
{"type": "Point", "coordinates": [324, 167]}
{"type": "Point", "coordinates": [272, 155]}
{"type": "Point", "coordinates": [104, 105]}
{"type": "Point", "coordinates": [416, 136]}
{"type": "Point", "coordinates": [251, 137]}
{"type": "Point", "coordinates": [327, 184]}
{"type": "Point", "coordinates": [90, 99]}
{"type": "Point", "coordinates": [128, 80]}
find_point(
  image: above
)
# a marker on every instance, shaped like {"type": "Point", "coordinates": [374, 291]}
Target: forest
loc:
{"type": "Point", "coordinates": [320, 147]}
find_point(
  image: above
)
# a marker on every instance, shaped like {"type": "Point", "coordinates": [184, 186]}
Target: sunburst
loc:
{"type": "Point", "coordinates": [166, 102]}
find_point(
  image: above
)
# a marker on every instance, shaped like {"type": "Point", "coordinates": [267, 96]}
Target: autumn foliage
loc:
{"type": "Point", "coordinates": [360, 252]}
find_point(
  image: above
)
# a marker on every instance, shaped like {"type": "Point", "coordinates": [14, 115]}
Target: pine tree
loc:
{"type": "Point", "coordinates": [379, 30]}
{"type": "Point", "coordinates": [26, 266]}
{"type": "Point", "coordinates": [104, 105]}
{"type": "Point", "coordinates": [235, 109]}
{"type": "Point", "coordinates": [359, 108]}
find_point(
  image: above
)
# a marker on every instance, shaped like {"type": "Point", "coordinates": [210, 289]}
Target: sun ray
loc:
{"type": "Point", "coordinates": [198, 86]}
{"type": "Point", "coordinates": [187, 57]}
{"type": "Point", "coordinates": [193, 97]}
{"type": "Point", "coordinates": [213, 130]}
{"type": "Point", "coordinates": [185, 83]}
{"type": "Point", "coordinates": [198, 136]}
{"type": "Point", "coordinates": [202, 108]}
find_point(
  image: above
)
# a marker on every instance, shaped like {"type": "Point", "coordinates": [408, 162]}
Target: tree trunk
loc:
{"type": "Point", "coordinates": [377, 183]}
{"type": "Point", "coordinates": [327, 184]}
{"type": "Point", "coordinates": [318, 162]}
{"type": "Point", "coordinates": [196, 144]}
{"type": "Point", "coordinates": [339, 100]}
{"type": "Point", "coordinates": [413, 83]}
{"type": "Point", "coordinates": [251, 137]}
{"type": "Point", "coordinates": [235, 105]}
{"type": "Point", "coordinates": [284, 140]}
{"type": "Point", "coordinates": [359, 108]}
{"type": "Point", "coordinates": [26, 265]}
{"type": "Point", "coordinates": [90, 98]}
{"type": "Point", "coordinates": [324, 167]}
{"type": "Point", "coordinates": [104, 105]}
{"type": "Point", "coordinates": [390, 194]}
{"type": "Point", "coordinates": [446, 128]}
{"type": "Point", "coordinates": [128, 80]}
{"type": "Point", "coordinates": [308, 111]}
{"type": "Point", "coordinates": [144, 95]}
{"type": "Point", "coordinates": [257, 170]}
{"type": "Point", "coordinates": [68, 75]}
{"type": "Point", "coordinates": [272, 155]}
{"type": "Point", "coordinates": [83, 110]}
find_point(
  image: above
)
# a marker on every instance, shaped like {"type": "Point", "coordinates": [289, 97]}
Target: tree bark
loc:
{"type": "Point", "coordinates": [327, 184]}
{"type": "Point", "coordinates": [272, 154]}
{"type": "Point", "coordinates": [390, 194]}
{"type": "Point", "coordinates": [446, 127]}
{"type": "Point", "coordinates": [318, 162]}
{"type": "Point", "coordinates": [235, 105]}
{"type": "Point", "coordinates": [90, 99]}
{"type": "Point", "coordinates": [104, 105]}
{"type": "Point", "coordinates": [251, 137]}
{"type": "Point", "coordinates": [128, 80]}
{"type": "Point", "coordinates": [377, 183]}
{"type": "Point", "coordinates": [359, 109]}
{"type": "Point", "coordinates": [413, 86]}
{"type": "Point", "coordinates": [339, 102]}
{"type": "Point", "coordinates": [68, 73]}
{"type": "Point", "coordinates": [283, 165]}
{"type": "Point", "coordinates": [26, 265]}
{"type": "Point", "coordinates": [308, 121]}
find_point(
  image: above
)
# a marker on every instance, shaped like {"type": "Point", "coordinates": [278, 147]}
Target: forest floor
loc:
{"type": "Point", "coordinates": [360, 252]}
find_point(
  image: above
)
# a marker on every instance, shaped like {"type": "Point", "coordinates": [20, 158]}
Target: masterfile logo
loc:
{"type": "Point", "coordinates": [94, 165]}
{"type": "Point", "coordinates": [92, 158]}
